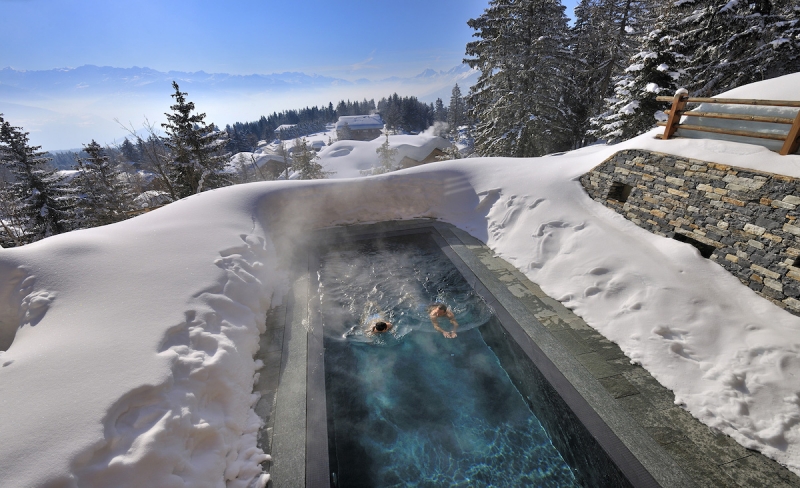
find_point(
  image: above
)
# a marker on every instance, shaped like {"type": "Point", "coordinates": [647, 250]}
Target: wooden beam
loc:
{"type": "Point", "coordinates": [741, 133]}
{"type": "Point", "coordinates": [751, 118]}
{"type": "Point", "coordinates": [678, 104]}
{"type": "Point", "coordinates": [792, 142]}
{"type": "Point", "coordinates": [738, 101]}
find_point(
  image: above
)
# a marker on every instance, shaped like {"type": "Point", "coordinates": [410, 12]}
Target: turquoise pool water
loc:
{"type": "Point", "coordinates": [411, 407]}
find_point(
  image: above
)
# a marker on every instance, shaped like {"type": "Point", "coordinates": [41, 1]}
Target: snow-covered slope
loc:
{"type": "Point", "coordinates": [131, 361]}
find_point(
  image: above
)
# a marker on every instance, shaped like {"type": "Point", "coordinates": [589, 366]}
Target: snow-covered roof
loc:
{"type": "Point", "coordinates": [285, 127]}
{"type": "Point", "coordinates": [360, 122]}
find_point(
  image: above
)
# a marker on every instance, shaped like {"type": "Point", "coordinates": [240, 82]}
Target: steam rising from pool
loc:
{"type": "Point", "coordinates": [399, 283]}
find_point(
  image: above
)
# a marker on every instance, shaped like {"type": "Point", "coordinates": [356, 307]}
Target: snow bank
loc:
{"type": "Point", "coordinates": [130, 361]}
{"type": "Point", "coordinates": [132, 364]}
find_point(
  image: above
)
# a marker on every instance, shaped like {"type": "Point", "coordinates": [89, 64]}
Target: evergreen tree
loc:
{"type": "Point", "coordinates": [633, 109]}
{"type": "Point", "coordinates": [198, 162]}
{"type": "Point", "coordinates": [729, 43]}
{"type": "Point", "coordinates": [284, 154]}
{"type": "Point", "coordinates": [305, 161]}
{"type": "Point", "coordinates": [457, 111]}
{"type": "Point", "coordinates": [104, 196]}
{"type": "Point", "coordinates": [603, 39]}
{"type": "Point", "coordinates": [386, 157]}
{"type": "Point", "coordinates": [129, 151]}
{"type": "Point", "coordinates": [517, 102]}
{"type": "Point", "coordinates": [44, 206]}
{"type": "Point", "coordinates": [393, 117]}
{"type": "Point", "coordinates": [440, 112]}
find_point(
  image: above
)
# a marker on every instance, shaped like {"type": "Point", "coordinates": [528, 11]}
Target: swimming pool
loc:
{"type": "Point", "coordinates": [410, 407]}
{"type": "Point", "coordinates": [600, 442]}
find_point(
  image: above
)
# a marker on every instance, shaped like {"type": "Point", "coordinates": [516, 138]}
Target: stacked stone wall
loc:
{"type": "Point", "coordinates": [749, 218]}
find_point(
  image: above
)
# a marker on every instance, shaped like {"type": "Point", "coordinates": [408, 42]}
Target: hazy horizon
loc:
{"type": "Point", "coordinates": [351, 40]}
{"type": "Point", "coordinates": [65, 109]}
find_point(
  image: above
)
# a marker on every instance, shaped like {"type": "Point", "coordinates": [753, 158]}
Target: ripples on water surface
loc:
{"type": "Point", "coordinates": [411, 407]}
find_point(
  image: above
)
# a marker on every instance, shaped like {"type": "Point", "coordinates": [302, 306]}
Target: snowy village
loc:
{"type": "Point", "coordinates": [556, 244]}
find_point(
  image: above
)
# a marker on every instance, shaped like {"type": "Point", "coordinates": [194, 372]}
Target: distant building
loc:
{"type": "Point", "coordinates": [434, 156]}
{"type": "Point", "coordinates": [359, 127]}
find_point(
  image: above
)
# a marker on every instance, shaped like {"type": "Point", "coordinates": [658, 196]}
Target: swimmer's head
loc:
{"type": "Point", "coordinates": [441, 307]}
{"type": "Point", "coordinates": [381, 326]}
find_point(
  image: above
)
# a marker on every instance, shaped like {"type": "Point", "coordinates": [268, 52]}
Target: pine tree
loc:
{"type": "Point", "coordinates": [284, 154]}
{"type": "Point", "coordinates": [304, 161]}
{"type": "Point", "coordinates": [523, 56]}
{"type": "Point", "coordinates": [393, 114]}
{"type": "Point", "coordinates": [457, 111]}
{"type": "Point", "coordinates": [729, 43]}
{"type": "Point", "coordinates": [44, 206]}
{"type": "Point", "coordinates": [603, 39]}
{"type": "Point", "coordinates": [198, 163]}
{"type": "Point", "coordinates": [653, 71]}
{"type": "Point", "coordinates": [386, 157]}
{"type": "Point", "coordinates": [104, 195]}
{"type": "Point", "coordinates": [129, 151]}
{"type": "Point", "coordinates": [440, 112]}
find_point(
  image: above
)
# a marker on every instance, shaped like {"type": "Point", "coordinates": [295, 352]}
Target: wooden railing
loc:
{"type": "Point", "coordinates": [791, 140]}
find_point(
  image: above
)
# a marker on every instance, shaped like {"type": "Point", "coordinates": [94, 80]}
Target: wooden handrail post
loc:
{"type": "Point", "coordinates": [678, 104]}
{"type": "Point", "coordinates": [792, 142]}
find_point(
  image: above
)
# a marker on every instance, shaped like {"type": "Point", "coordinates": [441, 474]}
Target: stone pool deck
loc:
{"type": "Point", "coordinates": [674, 447]}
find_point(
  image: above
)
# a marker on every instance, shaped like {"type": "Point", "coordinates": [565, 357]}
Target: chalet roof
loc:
{"type": "Point", "coordinates": [360, 122]}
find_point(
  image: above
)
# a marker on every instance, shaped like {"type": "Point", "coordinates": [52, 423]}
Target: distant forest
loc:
{"type": "Point", "coordinates": [399, 113]}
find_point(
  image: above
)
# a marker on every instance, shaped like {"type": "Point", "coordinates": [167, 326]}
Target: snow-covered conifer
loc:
{"type": "Point", "coordinates": [305, 161]}
{"type": "Point", "coordinates": [103, 192]}
{"type": "Point", "coordinates": [440, 111]}
{"type": "Point", "coordinates": [603, 39]}
{"type": "Point", "coordinates": [386, 157]}
{"type": "Point", "coordinates": [42, 204]}
{"type": "Point", "coordinates": [197, 158]}
{"type": "Point", "coordinates": [729, 43]}
{"type": "Point", "coordinates": [517, 102]}
{"type": "Point", "coordinates": [457, 110]}
{"type": "Point", "coordinates": [653, 71]}
{"type": "Point", "coordinates": [129, 151]}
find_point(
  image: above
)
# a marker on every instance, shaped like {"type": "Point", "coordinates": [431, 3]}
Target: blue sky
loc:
{"type": "Point", "coordinates": [345, 38]}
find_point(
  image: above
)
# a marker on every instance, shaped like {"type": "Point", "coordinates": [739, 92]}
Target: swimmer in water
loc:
{"type": "Point", "coordinates": [380, 327]}
{"type": "Point", "coordinates": [440, 310]}
{"type": "Point", "coordinates": [376, 323]}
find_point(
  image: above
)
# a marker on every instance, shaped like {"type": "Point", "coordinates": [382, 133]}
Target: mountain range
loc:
{"type": "Point", "coordinates": [104, 79]}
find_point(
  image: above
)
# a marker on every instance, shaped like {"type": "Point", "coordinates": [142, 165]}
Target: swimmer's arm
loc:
{"type": "Point", "coordinates": [435, 323]}
{"type": "Point", "coordinates": [453, 321]}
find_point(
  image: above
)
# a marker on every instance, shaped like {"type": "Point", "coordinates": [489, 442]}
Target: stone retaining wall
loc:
{"type": "Point", "coordinates": [745, 220]}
